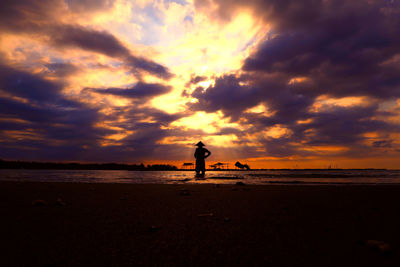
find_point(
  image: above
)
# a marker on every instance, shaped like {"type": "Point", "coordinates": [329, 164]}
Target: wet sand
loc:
{"type": "Point", "coordinates": [65, 224]}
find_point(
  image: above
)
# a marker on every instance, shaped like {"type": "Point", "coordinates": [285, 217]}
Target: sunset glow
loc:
{"type": "Point", "coordinates": [269, 84]}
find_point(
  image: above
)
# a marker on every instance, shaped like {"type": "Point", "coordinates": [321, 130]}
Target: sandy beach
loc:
{"type": "Point", "coordinates": [64, 224]}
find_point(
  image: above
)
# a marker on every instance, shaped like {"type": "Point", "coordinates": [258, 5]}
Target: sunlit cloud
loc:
{"type": "Point", "coordinates": [324, 102]}
{"type": "Point", "coordinates": [259, 81]}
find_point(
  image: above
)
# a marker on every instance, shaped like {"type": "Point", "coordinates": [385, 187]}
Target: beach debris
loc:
{"type": "Point", "coordinates": [154, 228]}
{"type": "Point", "coordinates": [227, 219]}
{"type": "Point", "coordinates": [226, 177]}
{"type": "Point", "coordinates": [378, 245]}
{"type": "Point", "coordinates": [358, 218]}
{"type": "Point", "coordinates": [240, 183]}
{"type": "Point", "coordinates": [39, 203]}
{"type": "Point", "coordinates": [185, 192]}
{"type": "Point", "coordinates": [205, 215]}
{"type": "Point", "coordinates": [60, 202]}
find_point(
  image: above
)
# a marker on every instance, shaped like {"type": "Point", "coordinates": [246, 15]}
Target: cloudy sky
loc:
{"type": "Point", "coordinates": [273, 83]}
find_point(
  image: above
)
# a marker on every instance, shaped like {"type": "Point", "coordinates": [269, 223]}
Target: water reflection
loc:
{"type": "Point", "coordinates": [213, 177]}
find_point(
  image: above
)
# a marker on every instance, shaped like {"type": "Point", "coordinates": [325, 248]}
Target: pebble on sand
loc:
{"type": "Point", "coordinates": [205, 215]}
{"type": "Point", "coordinates": [39, 203]}
{"type": "Point", "coordinates": [185, 192]}
{"type": "Point", "coordinates": [379, 245]}
{"type": "Point", "coordinates": [227, 219]}
{"type": "Point", "coordinates": [60, 202]}
{"type": "Point", "coordinates": [154, 228]}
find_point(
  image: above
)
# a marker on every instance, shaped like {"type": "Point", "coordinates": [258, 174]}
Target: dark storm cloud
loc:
{"type": "Point", "coordinates": [341, 45]}
{"type": "Point", "coordinates": [344, 126]}
{"type": "Point", "coordinates": [140, 90]}
{"type": "Point", "coordinates": [232, 97]}
{"type": "Point", "coordinates": [31, 87]}
{"type": "Point", "coordinates": [89, 5]}
{"type": "Point", "coordinates": [382, 143]}
{"type": "Point", "coordinates": [194, 79]}
{"type": "Point", "coordinates": [143, 143]}
{"type": "Point", "coordinates": [288, 14]}
{"type": "Point", "coordinates": [39, 100]}
{"type": "Point", "coordinates": [61, 69]}
{"type": "Point", "coordinates": [40, 122]}
{"type": "Point", "coordinates": [104, 43]}
{"type": "Point", "coordinates": [348, 64]}
{"type": "Point", "coordinates": [149, 66]}
{"type": "Point", "coordinates": [28, 15]}
{"type": "Point", "coordinates": [335, 126]}
{"type": "Point", "coordinates": [226, 95]}
{"type": "Point", "coordinates": [43, 19]}
{"type": "Point", "coordinates": [137, 117]}
{"type": "Point", "coordinates": [88, 39]}
{"type": "Point", "coordinates": [342, 48]}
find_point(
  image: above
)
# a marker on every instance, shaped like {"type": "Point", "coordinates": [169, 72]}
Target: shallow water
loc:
{"type": "Point", "coordinates": [292, 177]}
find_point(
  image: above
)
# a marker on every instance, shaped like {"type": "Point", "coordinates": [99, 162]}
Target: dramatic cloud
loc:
{"type": "Point", "coordinates": [309, 82]}
{"type": "Point", "coordinates": [61, 69]}
{"type": "Point", "coordinates": [318, 49]}
{"type": "Point", "coordinates": [140, 90]}
{"type": "Point", "coordinates": [104, 43]}
{"type": "Point", "coordinates": [42, 18]}
{"type": "Point", "coordinates": [37, 118]}
{"type": "Point", "coordinates": [89, 5]}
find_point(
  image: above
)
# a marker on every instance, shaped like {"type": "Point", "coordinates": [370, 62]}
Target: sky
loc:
{"type": "Point", "coordinates": [274, 84]}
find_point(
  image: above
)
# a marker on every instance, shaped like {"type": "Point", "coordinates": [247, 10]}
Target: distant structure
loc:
{"type": "Point", "coordinates": [188, 166]}
{"type": "Point", "coordinates": [242, 166]}
{"type": "Point", "coordinates": [219, 166]}
{"type": "Point", "coordinates": [333, 166]}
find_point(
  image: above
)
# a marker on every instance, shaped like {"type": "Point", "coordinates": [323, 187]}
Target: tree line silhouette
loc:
{"type": "Point", "coordinates": [32, 165]}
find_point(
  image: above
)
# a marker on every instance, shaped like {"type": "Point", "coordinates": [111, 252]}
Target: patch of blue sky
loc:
{"type": "Point", "coordinates": [180, 2]}
{"type": "Point", "coordinates": [154, 14]}
{"type": "Point", "coordinates": [151, 21]}
{"type": "Point", "coordinates": [57, 60]}
{"type": "Point", "coordinates": [188, 18]}
{"type": "Point", "coordinates": [249, 43]}
{"type": "Point", "coordinates": [116, 64]}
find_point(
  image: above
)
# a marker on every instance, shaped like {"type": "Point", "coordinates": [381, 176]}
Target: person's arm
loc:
{"type": "Point", "coordinates": [209, 153]}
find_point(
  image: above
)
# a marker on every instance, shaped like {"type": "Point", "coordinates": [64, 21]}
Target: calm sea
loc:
{"type": "Point", "coordinates": [292, 177]}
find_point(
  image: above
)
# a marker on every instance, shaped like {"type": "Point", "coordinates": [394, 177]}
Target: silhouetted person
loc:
{"type": "Point", "coordinates": [200, 154]}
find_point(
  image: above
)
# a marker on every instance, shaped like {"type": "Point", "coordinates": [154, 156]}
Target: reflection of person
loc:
{"type": "Point", "coordinates": [200, 154]}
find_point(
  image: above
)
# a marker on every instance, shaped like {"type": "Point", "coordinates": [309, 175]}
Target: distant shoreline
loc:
{"type": "Point", "coordinates": [35, 165]}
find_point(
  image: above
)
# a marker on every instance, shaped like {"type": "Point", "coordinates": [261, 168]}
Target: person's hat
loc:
{"type": "Point", "coordinates": [200, 144]}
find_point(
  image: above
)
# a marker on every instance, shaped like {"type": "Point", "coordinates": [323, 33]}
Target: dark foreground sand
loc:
{"type": "Point", "coordinates": [118, 225]}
